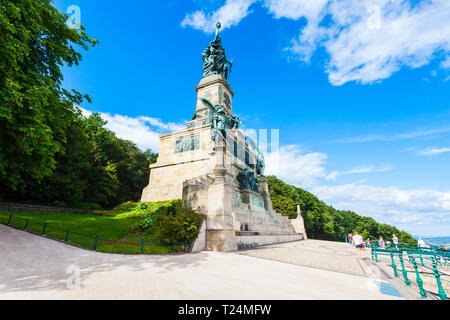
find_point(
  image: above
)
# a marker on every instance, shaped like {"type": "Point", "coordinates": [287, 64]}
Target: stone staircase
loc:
{"type": "Point", "coordinates": [198, 183]}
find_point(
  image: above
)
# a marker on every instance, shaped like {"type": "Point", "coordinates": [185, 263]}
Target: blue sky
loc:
{"type": "Point", "coordinates": [358, 89]}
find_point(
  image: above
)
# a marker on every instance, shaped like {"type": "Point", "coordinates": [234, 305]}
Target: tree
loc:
{"type": "Point", "coordinates": [284, 205]}
{"type": "Point", "coordinates": [325, 222]}
{"type": "Point", "coordinates": [35, 110]}
{"type": "Point", "coordinates": [131, 165]}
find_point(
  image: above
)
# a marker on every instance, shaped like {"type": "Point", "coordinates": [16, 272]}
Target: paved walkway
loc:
{"type": "Point", "coordinates": [37, 268]}
{"type": "Point", "coordinates": [332, 256]}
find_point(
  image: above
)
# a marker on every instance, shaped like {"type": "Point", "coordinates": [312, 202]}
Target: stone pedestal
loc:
{"type": "Point", "coordinates": [299, 223]}
{"type": "Point", "coordinates": [203, 174]}
{"type": "Point", "coordinates": [220, 234]}
{"type": "Point", "coordinates": [217, 91]}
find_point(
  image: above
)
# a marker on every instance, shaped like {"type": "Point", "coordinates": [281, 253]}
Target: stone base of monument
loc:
{"type": "Point", "coordinates": [237, 219]}
{"type": "Point", "coordinates": [216, 171]}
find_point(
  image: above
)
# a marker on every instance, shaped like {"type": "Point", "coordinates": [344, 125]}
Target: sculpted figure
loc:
{"type": "Point", "coordinates": [214, 58]}
{"type": "Point", "coordinates": [247, 180]}
{"type": "Point", "coordinates": [217, 118]}
{"type": "Point", "coordinates": [233, 122]}
{"type": "Point", "coordinates": [260, 162]}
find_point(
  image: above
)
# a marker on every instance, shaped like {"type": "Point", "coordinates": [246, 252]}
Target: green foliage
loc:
{"type": "Point", "coordinates": [35, 111]}
{"type": "Point", "coordinates": [131, 209]}
{"type": "Point", "coordinates": [113, 225]}
{"type": "Point", "coordinates": [96, 167]}
{"type": "Point", "coordinates": [167, 221]}
{"type": "Point", "coordinates": [325, 222]}
{"type": "Point", "coordinates": [284, 205]}
{"type": "Point", "coordinates": [49, 153]}
{"type": "Point", "coordinates": [177, 223]}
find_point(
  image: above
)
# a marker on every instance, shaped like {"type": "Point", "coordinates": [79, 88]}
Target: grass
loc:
{"type": "Point", "coordinates": [113, 225]}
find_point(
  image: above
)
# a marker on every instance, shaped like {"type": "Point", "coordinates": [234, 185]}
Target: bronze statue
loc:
{"type": "Point", "coordinates": [214, 58]}
{"type": "Point", "coordinates": [248, 181]}
{"type": "Point", "coordinates": [219, 119]}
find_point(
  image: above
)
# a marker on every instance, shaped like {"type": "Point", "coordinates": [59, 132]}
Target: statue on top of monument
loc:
{"type": "Point", "coordinates": [214, 58]}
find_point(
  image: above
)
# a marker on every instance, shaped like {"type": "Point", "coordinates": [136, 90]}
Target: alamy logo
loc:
{"type": "Point", "coordinates": [74, 21]}
{"type": "Point", "coordinates": [374, 20]}
{"type": "Point", "coordinates": [74, 280]}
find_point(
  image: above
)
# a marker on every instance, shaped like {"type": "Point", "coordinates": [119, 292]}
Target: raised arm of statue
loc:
{"type": "Point", "coordinates": [218, 26]}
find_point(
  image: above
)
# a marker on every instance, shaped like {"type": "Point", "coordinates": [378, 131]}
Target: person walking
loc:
{"type": "Point", "coordinates": [395, 240]}
{"type": "Point", "coordinates": [358, 244]}
{"type": "Point", "coordinates": [381, 243]}
{"type": "Point", "coordinates": [368, 243]}
{"type": "Point", "coordinates": [350, 239]}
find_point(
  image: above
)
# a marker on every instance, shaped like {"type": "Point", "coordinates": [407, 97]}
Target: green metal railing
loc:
{"type": "Point", "coordinates": [67, 234]}
{"type": "Point", "coordinates": [429, 259]}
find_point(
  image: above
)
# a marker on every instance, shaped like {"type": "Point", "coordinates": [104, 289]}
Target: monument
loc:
{"type": "Point", "coordinates": [216, 171]}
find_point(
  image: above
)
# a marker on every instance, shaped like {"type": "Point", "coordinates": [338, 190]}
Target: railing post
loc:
{"type": "Point", "coordinates": [441, 291]}
{"type": "Point", "coordinates": [185, 245]}
{"type": "Point", "coordinates": [394, 266]}
{"type": "Point", "coordinates": [43, 230]}
{"type": "Point", "coordinates": [418, 278]}
{"type": "Point", "coordinates": [95, 244]}
{"type": "Point", "coordinates": [26, 224]}
{"type": "Point", "coordinates": [376, 256]}
{"type": "Point", "coordinates": [10, 218]}
{"type": "Point", "coordinates": [67, 236]}
{"type": "Point", "coordinates": [404, 272]}
{"type": "Point", "coordinates": [421, 258]}
{"type": "Point", "coordinates": [142, 245]}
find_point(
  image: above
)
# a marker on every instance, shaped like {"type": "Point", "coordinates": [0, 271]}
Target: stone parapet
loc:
{"type": "Point", "coordinates": [246, 242]}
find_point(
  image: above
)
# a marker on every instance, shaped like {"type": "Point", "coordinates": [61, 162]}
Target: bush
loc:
{"type": "Point", "coordinates": [144, 209]}
{"type": "Point", "coordinates": [177, 223]}
{"type": "Point", "coordinates": [167, 221]}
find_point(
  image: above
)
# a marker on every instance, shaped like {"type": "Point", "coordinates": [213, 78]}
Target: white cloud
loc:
{"type": "Point", "coordinates": [144, 131]}
{"type": "Point", "coordinates": [434, 151]}
{"type": "Point", "coordinates": [408, 135]}
{"type": "Point", "coordinates": [446, 63]}
{"type": "Point", "coordinates": [295, 166]}
{"type": "Point", "coordinates": [418, 211]}
{"type": "Point", "coordinates": [230, 14]}
{"type": "Point", "coordinates": [371, 169]}
{"type": "Point", "coordinates": [422, 133]}
{"type": "Point", "coordinates": [294, 9]}
{"type": "Point", "coordinates": [406, 37]}
{"type": "Point", "coordinates": [367, 40]}
{"type": "Point", "coordinates": [402, 208]}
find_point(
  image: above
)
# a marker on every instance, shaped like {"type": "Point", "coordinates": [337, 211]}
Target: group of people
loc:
{"type": "Point", "coordinates": [357, 241]}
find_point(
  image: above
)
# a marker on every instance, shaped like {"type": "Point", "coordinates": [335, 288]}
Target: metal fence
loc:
{"type": "Point", "coordinates": [404, 262]}
{"type": "Point", "coordinates": [72, 237]}
{"type": "Point", "coordinates": [21, 207]}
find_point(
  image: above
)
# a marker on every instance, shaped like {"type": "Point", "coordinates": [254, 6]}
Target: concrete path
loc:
{"type": "Point", "coordinates": [332, 256]}
{"type": "Point", "coordinates": [33, 267]}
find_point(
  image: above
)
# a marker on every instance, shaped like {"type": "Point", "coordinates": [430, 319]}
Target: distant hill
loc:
{"type": "Point", "coordinates": [324, 222]}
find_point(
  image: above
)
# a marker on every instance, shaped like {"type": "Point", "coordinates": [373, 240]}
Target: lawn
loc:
{"type": "Point", "coordinates": [112, 228]}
